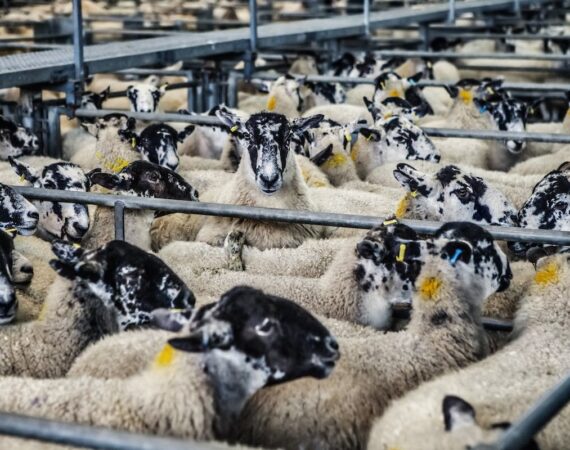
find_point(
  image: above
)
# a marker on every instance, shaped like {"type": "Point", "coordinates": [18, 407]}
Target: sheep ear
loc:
{"type": "Point", "coordinates": [162, 89]}
{"type": "Point", "coordinates": [368, 250]}
{"type": "Point", "coordinates": [62, 269]}
{"type": "Point", "coordinates": [565, 166]}
{"type": "Point", "coordinates": [66, 252]}
{"type": "Point", "coordinates": [370, 135]}
{"type": "Point", "coordinates": [104, 94]}
{"type": "Point", "coordinates": [372, 109]}
{"type": "Point", "coordinates": [453, 91]}
{"type": "Point", "coordinates": [304, 123]}
{"type": "Point", "coordinates": [456, 251]}
{"type": "Point", "coordinates": [457, 413]}
{"type": "Point", "coordinates": [320, 158]}
{"type": "Point", "coordinates": [91, 128]}
{"type": "Point", "coordinates": [170, 320]}
{"type": "Point", "coordinates": [24, 171]}
{"type": "Point", "coordinates": [534, 254]}
{"type": "Point", "coordinates": [415, 78]}
{"type": "Point", "coordinates": [229, 119]}
{"type": "Point", "coordinates": [185, 133]}
{"type": "Point", "coordinates": [108, 180]}
{"type": "Point", "coordinates": [410, 178]}
{"type": "Point", "coordinates": [130, 92]}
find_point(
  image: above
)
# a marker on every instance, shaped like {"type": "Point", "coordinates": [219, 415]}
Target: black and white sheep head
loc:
{"type": "Point", "coordinates": [158, 144]}
{"type": "Point", "coordinates": [58, 220]}
{"type": "Point", "coordinates": [547, 208]}
{"type": "Point", "coordinates": [93, 101]}
{"type": "Point", "coordinates": [488, 261]}
{"type": "Point", "coordinates": [8, 301]}
{"type": "Point", "coordinates": [129, 282]}
{"type": "Point", "coordinates": [507, 114]}
{"type": "Point", "coordinates": [326, 93]}
{"type": "Point", "coordinates": [17, 213]}
{"type": "Point", "coordinates": [116, 124]}
{"type": "Point", "coordinates": [288, 89]}
{"type": "Point", "coordinates": [389, 260]}
{"type": "Point", "coordinates": [460, 429]}
{"type": "Point", "coordinates": [16, 140]}
{"type": "Point", "coordinates": [265, 139]}
{"type": "Point", "coordinates": [451, 194]}
{"type": "Point", "coordinates": [145, 97]}
{"type": "Point", "coordinates": [145, 179]}
{"type": "Point", "coordinates": [390, 84]}
{"type": "Point", "coordinates": [269, 334]}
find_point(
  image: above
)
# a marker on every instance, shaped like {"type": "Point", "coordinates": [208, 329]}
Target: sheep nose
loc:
{"type": "Point", "coordinates": [332, 347]}
{"type": "Point", "coordinates": [33, 215]}
{"type": "Point", "coordinates": [270, 180]}
{"type": "Point", "coordinates": [517, 248]}
{"type": "Point", "coordinates": [80, 229]}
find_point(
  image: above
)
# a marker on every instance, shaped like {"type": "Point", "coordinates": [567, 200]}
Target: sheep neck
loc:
{"type": "Point", "coordinates": [112, 152]}
{"type": "Point", "coordinates": [464, 115]}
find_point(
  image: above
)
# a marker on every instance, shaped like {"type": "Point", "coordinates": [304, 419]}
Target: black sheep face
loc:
{"type": "Point", "coordinates": [145, 179]}
{"type": "Point", "coordinates": [58, 220]}
{"type": "Point", "coordinates": [129, 282]}
{"type": "Point", "coordinates": [272, 334]}
{"type": "Point", "coordinates": [17, 213]}
{"type": "Point", "coordinates": [266, 139]}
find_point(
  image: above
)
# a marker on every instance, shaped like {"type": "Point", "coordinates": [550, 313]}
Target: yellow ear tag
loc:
{"type": "Point", "coordinates": [382, 86]}
{"type": "Point", "coordinates": [387, 115]}
{"type": "Point", "coordinates": [389, 222]}
{"type": "Point", "coordinates": [234, 128]}
{"type": "Point", "coordinates": [466, 96]}
{"type": "Point", "coordinates": [489, 90]}
{"type": "Point", "coordinates": [75, 245]}
{"type": "Point", "coordinates": [402, 253]}
{"type": "Point", "coordinates": [22, 179]}
{"type": "Point", "coordinates": [429, 288]}
{"type": "Point", "coordinates": [165, 357]}
{"type": "Point", "coordinates": [414, 194]}
{"type": "Point", "coordinates": [117, 165]}
{"type": "Point", "coordinates": [547, 275]}
{"type": "Point", "coordinates": [348, 136]}
{"type": "Point", "coordinates": [271, 103]}
{"type": "Point", "coordinates": [133, 142]}
{"type": "Point", "coordinates": [9, 230]}
{"type": "Point", "coordinates": [403, 206]}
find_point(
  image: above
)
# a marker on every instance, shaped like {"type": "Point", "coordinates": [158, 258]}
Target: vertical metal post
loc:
{"type": "Point", "coordinates": [232, 96]}
{"type": "Point", "coordinates": [78, 41]}
{"type": "Point", "coordinates": [249, 63]}
{"type": "Point", "coordinates": [424, 36]}
{"type": "Point", "coordinates": [367, 17]}
{"type": "Point", "coordinates": [53, 132]}
{"type": "Point", "coordinates": [451, 16]}
{"type": "Point", "coordinates": [119, 212]}
{"type": "Point", "coordinates": [517, 7]}
{"type": "Point", "coordinates": [191, 92]}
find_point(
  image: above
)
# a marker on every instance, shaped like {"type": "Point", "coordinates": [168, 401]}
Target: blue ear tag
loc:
{"type": "Point", "coordinates": [412, 82]}
{"type": "Point", "coordinates": [455, 256]}
{"type": "Point", "coordinates": [482, 109]}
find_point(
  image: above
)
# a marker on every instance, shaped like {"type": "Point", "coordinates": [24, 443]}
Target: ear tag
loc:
{"type": "Point", "coordinates": [165, 357]}
{"type": "Point", "coordinates": [482, 109]}
{"type": "Point", "coordinates": [489, 90]}
{"type": "Point", "coordinates": [455, 256]}
{"type": "Point", "coordinates": [389, 222]}
{"type": "Point", "coordinates": [382, 86]}
{"type": "Point", "coordinates": [414, 194]}
{"type": "Point", "coordinates": [9, 230]}
{"type": "Point", "coordinates": [412, 82]}
{"type": "Point", "coordinates": [400, 257]}
{"type": "Point", "coordinates": [348, 136]}
{"type": "Point", "coordinates": [369, 138]}
{"type": "Point", "coordinates": [176, 310]}
{"type": "Point", "coordinates": [234, 128]}
{"type": "Point", "coordinates": [133, 142]}
{"type": "Point", "coordinates": [387, 115]}
{"type": "Point", "coordinates": [75, 245]}
{"type": "Point", "coordinates": [22, 179]}
{"type": "Point", "coordinates": [271, 103]}
{"type": "Point", "coordinates": [466, 96]}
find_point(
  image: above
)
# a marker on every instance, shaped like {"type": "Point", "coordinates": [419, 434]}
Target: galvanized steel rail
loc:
{"type": "Point", "coordinates": [54, 66]}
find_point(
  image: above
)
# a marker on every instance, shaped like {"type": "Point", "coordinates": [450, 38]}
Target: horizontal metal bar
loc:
{"type": "Point", "coordinates": [502, 68]}
{"type": "Point", "coordinates": [281, 215]}
{"type": "Point", "coordinates": [454, 55]}
{"type": "Point", "coordinates": [57, 65]}
{"type": "Point", "coordinates": [497, 135]}
{"type": "Point", "coordinates": [486, 35]}
{"type": "Point", "coordinates": [27, 427]}
{"type": "Point", "coordinates": [536, 418]}
{"type": "Point", "coordinates": [433, 132]}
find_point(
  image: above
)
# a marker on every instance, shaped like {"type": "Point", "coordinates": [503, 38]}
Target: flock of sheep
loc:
{"type": "Point", "coordinates": [285, 335]}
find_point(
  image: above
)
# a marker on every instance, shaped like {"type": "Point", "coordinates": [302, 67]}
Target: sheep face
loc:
{"type": "Point", "coordinates": [390, 84]}
{"type": "Point", "coordinates": [145, 97]}
{"type": "Point", "coordinates": [145, 179]}
{"type": "Point", "coordinates": [262, 329]}
{"type": "Point", "coordinates": [129, 282]}
{"type": "Point", "coordinates": [159, 144]}
{"type": "Point", "coordinates": [508, 115]}
{"type": "Point", "coordinates": [93, 101]}
{"type": "Point", "coordinates": [115, 124]}
{"type": "Point", "coordinates": [265, 140]}
{"type": "Point", "coordinates": [547, 208]}
{"type": "Point", "coordinates": [489, 262]}
{"type": "Point", "coordinates": [8, 303]}
{"type": "Point", "coordinates": [389, 260]}
{"type": "Point", "coordinates": [15, 140]}
{"type": "Point", "coordinates": [451, 195]}
{"type": "Point", "coordinates": [16, 212]}
{"type": "Point", "coordinates": [58, 220]}
{"type": "Point", "coordinates": [326, 93]}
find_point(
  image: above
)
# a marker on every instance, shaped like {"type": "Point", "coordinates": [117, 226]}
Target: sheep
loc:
{"type": "Point", "coordinates": [17, 213]}
{"type": "Point", "coordinates": [507, 382]}
{"type": "Point", "coordinates": [203, 377]}
{"type": "Point", "coordinates": [112, 149]}
{"type": "Point", "coordinates": [14, 268]}
{"type": "Point", "coordinates": [541, 164]}
{"type": "Point", "coordinates": [16, 140]}
{"type": "Point", "coordinates": [140, 178]}
{"type": "Point", "coordinates": [444, 334]}
{"type": "Point", "coordinates": [96, 292]}
{"type": "Point", "coordinates": [89, 100]}
{"type": "Point", "coordinates": [450, 194]}
{"type": "Point", "coordinates": [342, 114]}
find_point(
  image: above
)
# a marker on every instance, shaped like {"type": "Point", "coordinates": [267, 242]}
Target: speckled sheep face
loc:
{"type": "Point", "coordinates": [145, 97]}
{"type": "Point", "coordinates": [327, 93]}
{"type": "Point", "coordinates": [390, 84]}
{"type": "Point", "coordinates": [15, 140]}
{"type": "Point", "coordinates": [158, 144]}
{"type": "Point", "coordinates": [16, 212]}
{"type": "Point", "coordinates": [145, 179]}
{"type": "Point", "coordinates": [265, 329]}
{"type": "Point", "coordinates": [389, 260]}
{"type": "Point", "coordinates": [130, 282]}
{"type": "Point", "coordinates": [488, 261]}
{"type": "Point", "coordinates": [93, 101]}
{"type": "Point", "coordinates": [112, 124]}
{"type": "Point", "coordinates": [8, 303]}
{"type": "Point", "coordinates": [451, 195]}
{"type": "Point", "coordinates": [58, 220]}
{"type": "Point", "coordinates": [508, 115]}
{"type": "Point", "coordinates": [547, 208]}
{"type": "Point", "coordinates": [265, 140]}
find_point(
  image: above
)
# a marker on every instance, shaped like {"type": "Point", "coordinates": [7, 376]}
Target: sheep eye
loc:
{"type": "Point", "coordinates": [266, 327]}
{"type": "Point", "coordinates": [561, 206]}
{"type": "Point", "coordinates": [153, 177]}
{"type": "Point", "coordinates": [463, 193]}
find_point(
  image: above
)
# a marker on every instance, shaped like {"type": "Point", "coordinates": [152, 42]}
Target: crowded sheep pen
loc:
{"type": "Point", "coordinates": [300, 225]}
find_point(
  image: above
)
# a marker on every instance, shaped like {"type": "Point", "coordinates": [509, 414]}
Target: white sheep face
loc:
{"type": "Point", "coordinates": [16, 212]}
{"type": "Point", "coordinates": [145, 97]}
